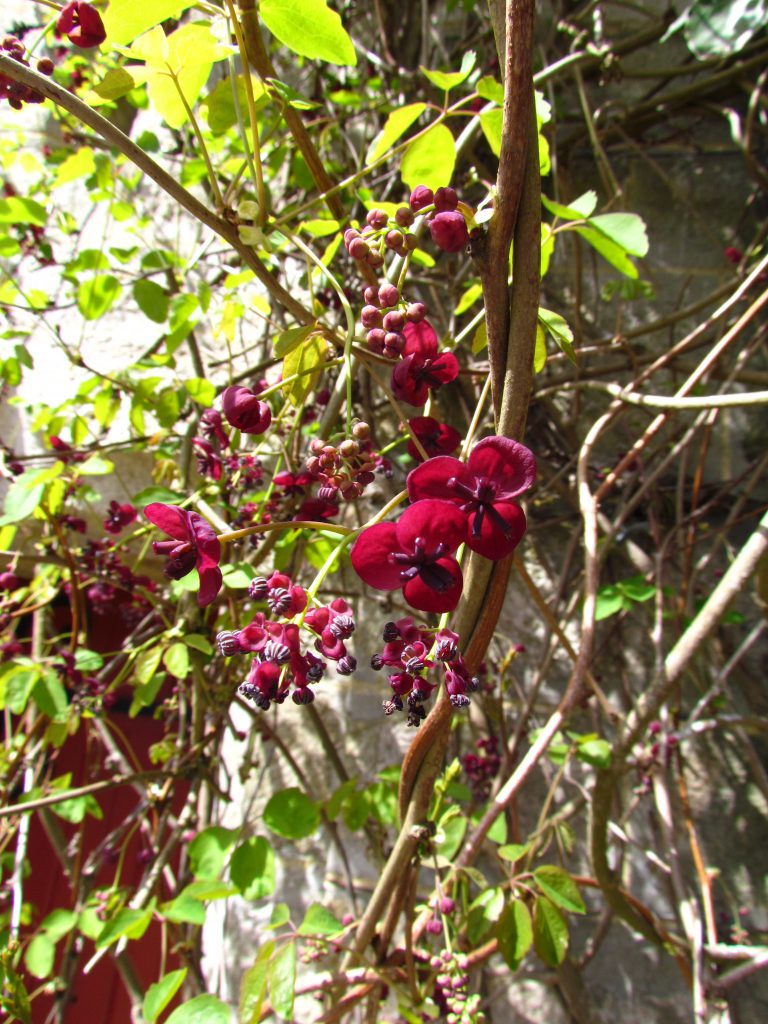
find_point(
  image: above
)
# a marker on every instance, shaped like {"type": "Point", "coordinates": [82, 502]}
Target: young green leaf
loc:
{"type": "Point", "coordinates": [291, 814]}
{"type": "Point", "coordinates": [560, 888]}
{"type": "Point", "coordinates": [430, 159]}
{"type": "Point", "coordinates": [282, 980]}
{"type": "Point", "coordinates": [208, 851]}
{"type": "Point", "coordinates": [514, 933]}
{"type": "Point", "coordinates": [252, 868]}
{"type": "Point", "coordinates": [397, 124]}
{"type": "Point", "coordinates": [253, 987]}
{"type": "Point", "coordinates": [319, 921]}
{"type": "Point", "coordinates": [201, 1010]}
{"type": "Point", "coordinates": [550, 932]}
{"type": "Point", "coordinates": [309, 28]}
{"type": "Point", "coordinates": [446, 80]}
{"type": "Point", "coordinates": [161, 993]}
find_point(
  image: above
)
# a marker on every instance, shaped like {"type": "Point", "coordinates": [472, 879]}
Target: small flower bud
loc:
{"type": "Point", "coordinates": [258, 588]}
{"type": "Point", "coordinates": [394, 320]}
{"type": "Point", "coordinates": [349, 448]}
{"type": "Point", "coordinates": [370, 317]}
{"type": "Point", "coordinates": [375, 339]}
{"type": "Point", "coordinates": [394, 240]}
{"type": "Point", "coordinates": [388, 295]}
{"type": "Point", "coordinates": [45, 66]}
{"type": "Point", "coordinates": [421, 197]}
{"type": "Point", "coordinates": [415, 312]}
{"type": "Point", "coordinates": [404, 216]}
{"type": "Point", "coordinates": [371, 295]}
{"type": "Point", "coordinates": [446, 199]}
{"type": "Point", "coordinates": [377, 219]}
{"type": "Point", "coordinates": [342, 627]}
{"type": "Point", "coordinates": [346, 666]}
{"type": "Point", "coordinates": [449, 231]}
{"type": "Point", "coordinates": [361, 431]}
{"type": "Point", "coordinates": [358, 249]}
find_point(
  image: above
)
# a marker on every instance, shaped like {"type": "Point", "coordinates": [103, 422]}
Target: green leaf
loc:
{"type": "Point", "coordinates": [208, 851]}
{"type": "Point", "coordinates": [96, 465]}
{"type": "Point", "coordinates": [21, 499]}
{"type": "Point", "coordinates": [484, 912]}
{"type": "Point", "coordinates": [579, 209]}
{"type": "Point", "coordinates": [252, 868]}
{"type": "Point", "coordinates": [490, 89]}
{"type": "Point", "coordinates": [513, 851]}
{"type": "Point", "coordinates": [16, 685]}
{"type": "Point", "coordinates": [608, 601]}
{"type": "Point", "coordinates": [282, 980]}
{"type": "Point", "coordinates": [152, 300]}
{"type": "Point", "coordinates": [161, 993]}
{"type": "Point", "coordinates": [39, 956]}
{"type": "Point", "coordinates": [161, 494]}
{"type": "Point", "coordinates": [550, 932]}
{"type": "Point", "coordinates": [116, 83]}
{"type": "Point", "coordinates": [430, 159]}
{"type": "Point", "coordinates": [319, 921]}
{"type": "Point", "coordinates": [309, 28]}
{"type": "Point", "coordinates": [446, 80]}
{"type": "Point", "coordinates": [97, 295]}
{"type": "Point", "coordinates": [253, 987]}
{"type": "Point", "coordinates": [558, 329]}
{"type": "Point", "coordinates": [627, 230]}
{"type": "Point", "coordinates": [124, 20]}
{"type": "Point", "coordinates": [17, 210]}
{"type": "Point", "coordinates": [540, 350]}
{"type": "Point", "coordinates": [307, 361]}
{"type": "Point", "coordinates": [560, 888]}
{"type": "Point", "coordinates": [198, 643]}
{"type": "Point", "coordinates": [50, 695]}
{"type": "Point", "coordinates": [208, 889]}
{"type": "Point", "coordinates": [480, 340]}
{"type": "Point", "coordinates": [609, 250]}
{"type": "Point", "coordinates": [290, 97]}
{"type": "Point", "coordinates": [80, 164]}
{"type": "Point", "coordinates": [397, 124]}
{"type": "Point", "coordinates": [205, 1009]}
{"type": "Point", "coordinates": [491, 123]}
{"type": "Point", "coordinates": [176, 660]}
{"type": "Point", "coordinates": [469, 298]}
{"type": "Point", "coordinates": [59, 923]}
{"type": "Point", "coordinates": [514, 933]}
{"type": "Point", "coordinates": [183, 910]}
{"type": "Point", "coordinates": [291, 814]}
{"type": "Point", "coordinates": [596, 752]}
{"type": "Point", "coordinates": [75, 810]}
{"type": "Point", "coordinates": [127, 923]}
{"type": "Point", "coordinates": [719, 28]}
{"type": "Point", "coordinates": [290, 339]}
{"type": "Point", "coordinates": [453, 831]}
{"type": "Point", "coordinates": [637, 588]}
{"type": "Point", "coordinates": [147, 663]}
{"type": "Point", "coordinates": [238, 576]}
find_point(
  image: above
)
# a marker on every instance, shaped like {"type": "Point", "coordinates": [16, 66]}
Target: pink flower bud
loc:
{"type": "Point", "coordinates": [421, 197]}
{"type": "Point", "coordinates": [245, 411]}
{"type": "Point", "coordinates": [449, 231]}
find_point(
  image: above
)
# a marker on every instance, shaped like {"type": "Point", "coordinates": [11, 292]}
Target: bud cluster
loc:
{"type": "Point", "coordinates": [280, 665]}
{"type": "Point", "coordinates": [413, 653]}
{"type": "Point", "coordinates": [13, 91]}
{"type": "Point", "coordinates": [344, 469]}
{"type": "Point", "coordinates": [450, 992]}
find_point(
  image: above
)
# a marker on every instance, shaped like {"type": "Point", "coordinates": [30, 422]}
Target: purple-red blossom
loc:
{"type": "Point", "coordinates": [449, 231]}
{"type": "Point", "coordinates": [497, 472]}
{"type": "Point", "coordinates": [244, 410]}
{"type": "Point", "coordinates": [421, 369]}
{"type": "Point", "coordinates": [194, 546]}
{"type": "Point", "coordinates": [119, 516]}
{"type": "Point", "coordinates": [435, 438]}
{"type": "Point", "coordinates": [416, 553]}
{"type": "Point", "coordinates": [81, 23]}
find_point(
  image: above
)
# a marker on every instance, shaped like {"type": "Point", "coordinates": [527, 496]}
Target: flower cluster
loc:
{"type": "Point", "coordinates": [452, 503]}
{"type": "Point", "coordinates": [13, 91]}
{"type": "Point", "coordinates": [413, 652]}
{"type": "Point", "coordinates": [280, 665]}
{"type": "Point", "coordinates": [482, 767]}
{"type": "Point", "coordinates": [346, 469]}
{"type": "Point", "coordinates": [119, 516]}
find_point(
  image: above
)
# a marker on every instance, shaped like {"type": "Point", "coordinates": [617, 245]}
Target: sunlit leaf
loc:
{"type": "Point", "coordinates": [430, 159]}
{"type": "Point", "coordinates": [309, 28]}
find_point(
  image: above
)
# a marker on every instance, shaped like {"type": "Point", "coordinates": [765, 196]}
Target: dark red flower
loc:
{"type": "Point", "coordinates": [449, 231]}
{"type": "Point", "coordinates": [435, 438]}
{"type": "Point", "coordinates": [81, 23]}
{"type": "Point", "coordinates": [245, 411]}
{"type": "Point", "coordinates": [497, 472]}
{"type": "Point", "coordinates": [119, 516]}
{"type": "Point", "coordinates": [416, 553]}
{"type": "Point", "coordinates": [421, 369]}
{"type": "Point", "coordinates": [421, 197]}
{"type": "Point", "coordinates": [194, 546]}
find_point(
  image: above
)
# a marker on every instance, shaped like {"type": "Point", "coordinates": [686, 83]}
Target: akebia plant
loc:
{"type": "Point", "coordinates": [194, 545]}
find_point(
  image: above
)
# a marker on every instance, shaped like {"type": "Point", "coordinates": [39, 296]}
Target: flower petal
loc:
{"type": "Point", "coordinates": [370, 560]}
{"type": "Point", "coordinates": [437, 522]}
{"type": "Point", "coordinates": [170, 519]}
{"type": "Point", "coordinates": [424, 599]}
{"type": "Point", "coordinates": [430, 479]}
{"type": "Point", "coordinates": [493, 542]}
{"type": "Point", "coordinates": [210, 584]}
{"type": "Point", "coordinates": [420, 340]}
{"type": "Point", "coordinates": [508, 464]}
